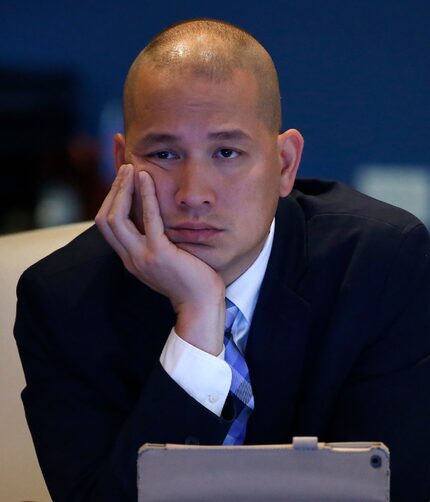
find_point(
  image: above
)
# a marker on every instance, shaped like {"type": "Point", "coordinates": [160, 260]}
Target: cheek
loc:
{"type": "Point", "coordinates": [260, 189]}
{"type": "Point", "coordinates": [162, 180]}
{"type": "Point", "coordinates": [164, 189]}
{"type": "Point", "coordinates": [250, 210]}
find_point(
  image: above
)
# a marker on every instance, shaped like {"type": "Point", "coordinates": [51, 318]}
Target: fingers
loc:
{"type": "Point", "coordinates": [118, 218]}
{"type": "Point", "coordinates": [154, 227]}
{"type": "Point", "coordinates": [113, 217]}
{"type": "Point", "coordinates": [135, 249]}
{"type": "Point", "coordinates": [107, 203]}
{"type": "Point", "coordinates": [151, 257]}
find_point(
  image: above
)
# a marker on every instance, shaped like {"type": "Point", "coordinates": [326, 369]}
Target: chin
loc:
{"type": "Point", "coordinates": [195, 249]}
{"type": "Point", "coordinates": [202, 252]}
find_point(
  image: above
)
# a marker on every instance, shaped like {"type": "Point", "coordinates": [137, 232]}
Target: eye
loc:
{"type": "Point", "coordinates": [227, 153]}
{"type": "Point", "coordinates": [162, 155]}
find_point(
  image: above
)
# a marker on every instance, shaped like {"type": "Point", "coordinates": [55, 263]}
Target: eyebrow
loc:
{"type": "Point", "coordinates": [156, 138]}
{"type": "Point", "coordinates": [230, 134]}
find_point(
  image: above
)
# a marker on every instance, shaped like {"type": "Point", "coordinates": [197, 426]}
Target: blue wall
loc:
{"type": "Point", "coordinates": [355, 75]}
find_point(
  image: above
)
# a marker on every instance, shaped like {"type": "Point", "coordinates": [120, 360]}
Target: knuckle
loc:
{"type": "Point", "coordinates": [99, 219]}
{"type": "Point", "coordinates": [111, 220]}
{"type": "Point", "coordinates": [153, 258]}
{"type": "Point", "coordinates": [128, 265]}
{"type": "Point", "coordinates": [139, 263]}
{"type": "Point", "coordinates": [116, 182]}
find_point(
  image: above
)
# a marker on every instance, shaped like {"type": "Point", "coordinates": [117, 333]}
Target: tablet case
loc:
{"type": "Point", "coordinates": [302, 472]}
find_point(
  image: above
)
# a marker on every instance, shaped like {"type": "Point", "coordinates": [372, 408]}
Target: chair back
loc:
{"type": "Point", "coordinates": [20, 475]}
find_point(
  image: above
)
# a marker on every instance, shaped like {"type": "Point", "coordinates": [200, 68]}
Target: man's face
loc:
{"type": "Point", "coordinates": [217, 169]}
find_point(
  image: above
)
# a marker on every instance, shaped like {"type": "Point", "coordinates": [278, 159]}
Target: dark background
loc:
{"type": "Point", "coordinates": [355, 80]}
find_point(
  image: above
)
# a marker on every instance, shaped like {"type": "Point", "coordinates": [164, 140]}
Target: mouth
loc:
{"type": "Point", "coordinates": [192, 233]}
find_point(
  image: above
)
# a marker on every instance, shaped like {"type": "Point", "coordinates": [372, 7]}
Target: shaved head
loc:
{"type": "Point", "coordinates": [210, 50]}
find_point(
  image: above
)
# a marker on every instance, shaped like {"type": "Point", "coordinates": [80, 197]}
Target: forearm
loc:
{"type": "Point", "coordinates": [88, 450]}
{"type": "Point", "coordinates": [89, 413]}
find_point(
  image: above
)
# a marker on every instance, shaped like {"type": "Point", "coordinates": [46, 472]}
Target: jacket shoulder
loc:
{"type": "Point", "coordinates": [85, 258]}
{"type": "Point", "coordinates": [324, 198]}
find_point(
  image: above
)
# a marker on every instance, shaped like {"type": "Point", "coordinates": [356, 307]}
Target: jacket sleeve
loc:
{"type": "Point", "coordinates": [86, 444]}
{"type": "Point", "coordinates": [387, 395]}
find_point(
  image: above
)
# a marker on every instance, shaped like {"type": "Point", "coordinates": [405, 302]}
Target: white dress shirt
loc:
{"type": "Point", "coordinates": [205, 377]}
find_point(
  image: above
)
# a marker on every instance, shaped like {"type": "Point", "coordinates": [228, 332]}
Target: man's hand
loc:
{"type": "Point", "coordinates": [195, 290]}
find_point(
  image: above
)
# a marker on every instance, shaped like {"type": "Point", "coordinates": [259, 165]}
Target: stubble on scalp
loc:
{"type": "Point", "coordinates": [211, 50]}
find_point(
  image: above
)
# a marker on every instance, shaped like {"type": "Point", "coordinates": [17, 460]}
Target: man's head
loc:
{"type": "Point", "coordinates": [202, 115]}
{"type": "Point", "coordinates": [211, 50]}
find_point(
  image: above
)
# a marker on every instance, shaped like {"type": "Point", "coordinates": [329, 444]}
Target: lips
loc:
{"type": "Point", "coordinates": [192, 233]}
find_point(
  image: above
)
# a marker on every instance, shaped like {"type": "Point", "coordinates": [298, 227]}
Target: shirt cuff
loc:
{"type": "Point", "coordinates": [204, 377]}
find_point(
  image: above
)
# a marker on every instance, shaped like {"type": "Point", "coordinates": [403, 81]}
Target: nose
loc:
{"type": "Point", "coordinates": [195, 186]}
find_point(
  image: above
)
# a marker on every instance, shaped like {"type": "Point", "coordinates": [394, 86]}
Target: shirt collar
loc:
{"type": "Point", "coordinates": [243, 292]}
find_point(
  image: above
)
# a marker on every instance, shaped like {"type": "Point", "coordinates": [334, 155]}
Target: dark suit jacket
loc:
{"type": "Point", "coordinates": [338, 348]}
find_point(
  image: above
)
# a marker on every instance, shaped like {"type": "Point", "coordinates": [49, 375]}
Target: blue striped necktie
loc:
{"type": "Point", "coordinates": [240, 390]}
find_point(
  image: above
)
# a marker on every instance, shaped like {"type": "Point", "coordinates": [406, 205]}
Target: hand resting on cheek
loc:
{"type": "Point", "coordinates": [195, 290]}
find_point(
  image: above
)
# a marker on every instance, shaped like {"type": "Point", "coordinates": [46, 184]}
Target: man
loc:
{"type": "Point", "coordinates": [121, 333]}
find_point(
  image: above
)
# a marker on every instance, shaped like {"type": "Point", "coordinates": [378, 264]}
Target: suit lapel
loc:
{"type": "Point", "coordinates": [278, 334]}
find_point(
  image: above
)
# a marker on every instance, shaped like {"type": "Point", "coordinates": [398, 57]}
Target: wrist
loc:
{"type": "Point", "coordinates": [202, 325]}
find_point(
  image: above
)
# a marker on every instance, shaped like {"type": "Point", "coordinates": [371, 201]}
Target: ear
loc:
{"type": "Point", "coordinates": [118, 150]}
{"type": "Point", "coordinates": [290, 147]}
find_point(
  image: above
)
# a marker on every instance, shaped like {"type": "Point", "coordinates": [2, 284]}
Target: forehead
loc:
{"type": "Point", "coordinates": [184, 95]}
